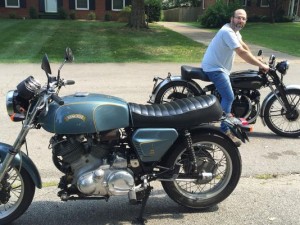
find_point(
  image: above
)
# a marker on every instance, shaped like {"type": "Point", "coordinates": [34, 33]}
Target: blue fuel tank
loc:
{"type": "Point", "coordinates": [85, 113]}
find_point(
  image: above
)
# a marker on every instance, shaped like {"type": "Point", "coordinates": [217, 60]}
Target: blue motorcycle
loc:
{"type": "Point", "coordinates": [105, 147]}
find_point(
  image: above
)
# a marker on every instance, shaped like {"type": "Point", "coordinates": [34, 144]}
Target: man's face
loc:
{"type": "Point", "coordinates": [239, 19]}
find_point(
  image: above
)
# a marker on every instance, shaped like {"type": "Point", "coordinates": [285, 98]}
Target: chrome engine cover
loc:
{"type": "Point", "coordinates": [106, 180]}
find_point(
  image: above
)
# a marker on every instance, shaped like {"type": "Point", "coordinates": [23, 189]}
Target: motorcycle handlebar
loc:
{"type": "Point", "coordinates": [57, 99]}
{"type": "Point", "coordinates": [69, 82]}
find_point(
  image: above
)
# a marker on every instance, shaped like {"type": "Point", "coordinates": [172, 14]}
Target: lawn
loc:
{"type": "Point", "coordinates": [23, 41]}
{"type": "Point", "coordinates": [282, 37]}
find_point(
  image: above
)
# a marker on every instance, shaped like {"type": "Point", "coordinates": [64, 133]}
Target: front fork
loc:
{"type": "Point", "coordinates": [20, 139]}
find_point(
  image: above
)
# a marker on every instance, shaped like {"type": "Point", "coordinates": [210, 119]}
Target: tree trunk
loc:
{"type": "Point", "coordinates": [137, 17]}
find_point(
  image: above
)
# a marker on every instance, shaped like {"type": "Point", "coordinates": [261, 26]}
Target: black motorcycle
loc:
{"type": "Point", "coordinates": [279, 110]}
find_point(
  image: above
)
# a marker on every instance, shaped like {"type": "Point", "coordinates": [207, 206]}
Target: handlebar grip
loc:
{"type": "Point", "coordinates": [57, 99]}
{"type": "Point", "coordinates": [69, 82]}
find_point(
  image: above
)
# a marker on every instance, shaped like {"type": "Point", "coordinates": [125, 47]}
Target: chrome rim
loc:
{"type": "Point", "coordinates": [281, 120]}
{"type": "Point", "coordinates": [16, 184]}
{"type": "Point", "coordinates": [176, 92]}
{"type": "Point", "coordinates": [217, 184]}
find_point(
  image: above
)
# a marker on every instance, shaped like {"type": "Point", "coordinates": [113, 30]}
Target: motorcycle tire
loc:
{"type": "Point", "coordinates": [19, 194]}
{"type": "Point", "coordinates": [176, 90]}
{"type": "Point", "coordinates": [214, 151]}
{"type": "Point", "coordinates": [278, 120]}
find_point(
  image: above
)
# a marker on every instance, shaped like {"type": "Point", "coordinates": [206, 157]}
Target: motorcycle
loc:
{"type": "Point", "coordinates": [107, 147]}
{"type": "Point", "coordinates": [279, 110]}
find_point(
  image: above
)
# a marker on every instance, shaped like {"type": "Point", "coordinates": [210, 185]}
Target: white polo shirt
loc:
{"type": "Point", "coordinates": [220, 53]}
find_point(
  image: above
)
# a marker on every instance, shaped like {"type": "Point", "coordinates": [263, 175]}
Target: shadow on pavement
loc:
{"type": "Point", "coordinates": [117, 211]}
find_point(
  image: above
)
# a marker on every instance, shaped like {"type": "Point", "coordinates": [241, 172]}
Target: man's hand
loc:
{"type": "Point", "coordinates": [264, 68]}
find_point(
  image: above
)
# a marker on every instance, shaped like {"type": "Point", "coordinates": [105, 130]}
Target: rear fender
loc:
{"type": "Point", "coordinates": [204, 129]}
{"type": "Point", "coordinates": [173, 79]}
{"type": "Point", "coordinates": [270, 96]}
{"type": "Point", "coordinates": [25, 162]}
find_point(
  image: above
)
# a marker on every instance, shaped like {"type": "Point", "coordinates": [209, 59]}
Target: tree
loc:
{"type": "Point", "coordinates": [137, 17]}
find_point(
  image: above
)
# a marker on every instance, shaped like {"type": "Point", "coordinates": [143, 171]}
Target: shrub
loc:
{"type": "Point", "coordinates": [33, 13]}
{"type": "Point", "coordinates": [124, 14]}
{"type": "Point", "coordinates": [12, 16]}
{"type": "Point", "coordinates": [91, 16]}
{"type": "Point", "coordinates": [72, 15]}
{"type": "Point", "coordinates": [218, 14]}
{"type": "Point", "coordinates": [153, 9]}
{"type": "Point", "coordinates": [62, 14]}
{"type": "Point", "coordinates": [107, 17]}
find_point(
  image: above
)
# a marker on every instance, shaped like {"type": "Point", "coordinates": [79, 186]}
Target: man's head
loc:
{"type": "Point", "coordinates": [238, 19]}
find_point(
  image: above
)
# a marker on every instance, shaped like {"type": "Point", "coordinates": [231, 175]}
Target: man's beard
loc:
{"type": "Point", "coordinates": [236, 27]}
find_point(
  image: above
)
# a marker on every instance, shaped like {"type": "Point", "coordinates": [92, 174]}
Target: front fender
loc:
{"type": "Point", "coordinates": [172, 79]}
{"type": "Point", "coordinates": [270, 96]}
{"type": "Point", "coordinates": [25, 162]}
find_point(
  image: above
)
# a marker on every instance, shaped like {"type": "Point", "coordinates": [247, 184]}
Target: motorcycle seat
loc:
{"type": "Point", "coordinates": [189, 72]}
{"type": "Point", "coordinates": [181, 113]}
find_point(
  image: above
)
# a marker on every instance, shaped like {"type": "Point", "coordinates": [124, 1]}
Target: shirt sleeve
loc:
{"type": "Point", "coordinates": [231, 39]}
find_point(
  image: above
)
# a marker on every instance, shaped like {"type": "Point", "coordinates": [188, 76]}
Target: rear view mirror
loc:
{"type": "Point", "coordinates": [69, 55]}
{"type": "Point", "coordinates": [46, 65]}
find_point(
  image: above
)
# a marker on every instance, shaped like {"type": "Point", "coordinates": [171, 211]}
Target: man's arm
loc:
{"type": "Point", "coordinates": [246, 55]}
{"type": "Point", "coordinates": [244, 45]}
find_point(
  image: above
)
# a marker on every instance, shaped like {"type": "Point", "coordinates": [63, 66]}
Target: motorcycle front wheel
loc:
{"type": "Point", "coordinates": [16, 193]}
{"type": "Point", "coordinates": [175, 90]}
{"type": "Point", "coordinates": [279, 120]}
{"type": "Point", "coordinates": [214, 155]}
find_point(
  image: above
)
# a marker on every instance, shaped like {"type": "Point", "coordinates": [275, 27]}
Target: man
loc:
{"type": "Point", "coordinates": [219, 57]}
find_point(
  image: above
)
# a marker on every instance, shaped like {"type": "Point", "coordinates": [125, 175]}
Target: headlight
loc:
{"type": "Point", "coordinates": [17, 101]}
{"type": "Point", "coordinates": [10, 102]}
{"type": "Point", "coordinates": [28, 87]}
{"type": "Point", "coordinates": [282, 67]}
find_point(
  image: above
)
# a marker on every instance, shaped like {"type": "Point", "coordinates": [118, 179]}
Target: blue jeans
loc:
{"type": "Point", "coordinates": [222, 82]}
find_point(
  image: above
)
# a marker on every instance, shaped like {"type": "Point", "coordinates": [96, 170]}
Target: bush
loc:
{"type": "Point", "coordinates": [91, 16]}
{"type": "Point", "coordinates": [107, 17]}
{"type": "Point", "coordinates": [218, 14]}
{"type": "Point", "coordinates": [62, 14]}
{"type": "Point", "coordinates": [72, 15]}
{"type": "Point", "coordinates": [124, 15]}
{"type": "Point", "coordinates": [12, 16]}
{"type": "Point", "coordinates": [33, 13]}
{"type": "Point", "coordinates": [153, 9]}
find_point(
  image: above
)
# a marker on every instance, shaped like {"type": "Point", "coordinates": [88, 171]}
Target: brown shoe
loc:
{"type": "Point", "coordinates": [235, 140]}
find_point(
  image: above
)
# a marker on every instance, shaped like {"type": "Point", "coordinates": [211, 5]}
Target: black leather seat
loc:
{"type": "Point", "coordinates": [182, 113]}
{"type": "Point", "coordinates": [189, 72]}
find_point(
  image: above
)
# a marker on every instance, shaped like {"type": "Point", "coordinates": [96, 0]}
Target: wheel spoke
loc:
{"type": "Point", "coordinates": [283, 121]}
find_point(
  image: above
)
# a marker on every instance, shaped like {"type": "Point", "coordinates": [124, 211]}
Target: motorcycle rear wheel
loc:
{"type": "Point", "coordinates": [281, 122]}
{"type": "Point", "coordinates": [176, 90]}
{"type": "Point", "coordinates": [19, 191]}
{"type": "Point", "coordinates": [205, 193]}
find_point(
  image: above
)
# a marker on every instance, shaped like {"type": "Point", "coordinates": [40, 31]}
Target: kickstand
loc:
{"type": "Point", "coordinates": [140, 219]}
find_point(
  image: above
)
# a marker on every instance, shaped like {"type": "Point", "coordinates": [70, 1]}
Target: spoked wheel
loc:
{"type": "Point", "coordinates": [16, 194]}
{"type": "Point", "coordinates": [215, 156]}
{"type": "Point", "coordinates": [175, 90]}
{"type": "Point", "coordinates": [279, 120]}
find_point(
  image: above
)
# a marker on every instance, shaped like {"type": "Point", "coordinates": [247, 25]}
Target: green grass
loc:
{"type": "Point", "coordinates": [23, 41]}
{"type": "Point", "coordinates": [282, 37]}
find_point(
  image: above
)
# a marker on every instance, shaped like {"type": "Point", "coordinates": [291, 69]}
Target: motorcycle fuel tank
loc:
{"type": "Point", "coordinates": [246, 79]}
{"type": "Point", "coordinates": [85, 113]}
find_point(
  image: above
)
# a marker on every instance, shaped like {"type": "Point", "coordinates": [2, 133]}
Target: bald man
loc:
{"type": "Point", "coordinates": [218, 60]}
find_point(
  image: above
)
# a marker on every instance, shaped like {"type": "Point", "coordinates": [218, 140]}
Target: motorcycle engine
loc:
{"type": "Point", "coordinates": [95, 165]}
{"type": "Point", "coordinates": [246, 104]}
